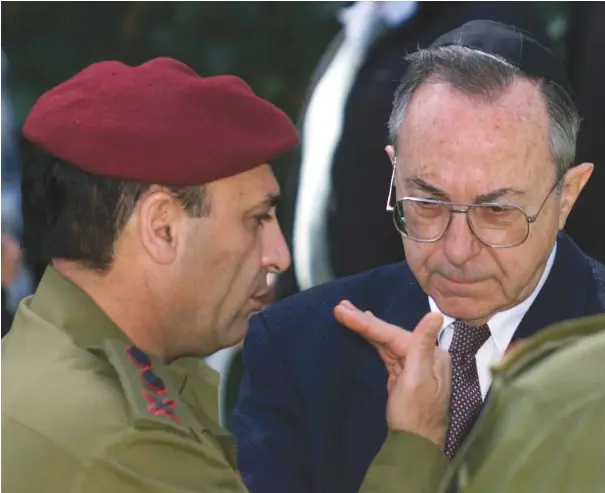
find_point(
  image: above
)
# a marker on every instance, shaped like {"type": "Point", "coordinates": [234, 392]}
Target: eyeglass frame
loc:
{"type": "Point", "coordinates": [453, 207]}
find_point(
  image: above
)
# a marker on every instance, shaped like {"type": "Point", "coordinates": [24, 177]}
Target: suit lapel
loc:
{"type": "Point", "coordinates": [569, 292]}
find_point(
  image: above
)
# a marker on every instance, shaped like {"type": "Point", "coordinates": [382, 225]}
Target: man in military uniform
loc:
{"type": "Point", "coordinates": [151, 194]}
{"type": "Point", "coordinates": [150, 191]}
{"type": "Point", "coordinates": [542, 429]}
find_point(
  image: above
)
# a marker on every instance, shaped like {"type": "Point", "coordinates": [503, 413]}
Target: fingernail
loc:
{"type": "Point", "coordinates": [347, 305]}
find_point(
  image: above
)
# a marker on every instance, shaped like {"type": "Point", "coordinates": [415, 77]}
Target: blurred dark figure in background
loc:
{"type": "Point", "coordinates": [334, 216]}
{"type": "Point", "coordinates": [16, 281]}
{"type": "Point", "coordinates": [586, 55]}
{"type": "Point", "coordinates": [11, 257]}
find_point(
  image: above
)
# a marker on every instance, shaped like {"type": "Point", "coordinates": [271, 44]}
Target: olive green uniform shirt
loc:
{"type": "Point", "coordinates": [81, 414]}
{"type": "Point", "coordinates": [542, 431]}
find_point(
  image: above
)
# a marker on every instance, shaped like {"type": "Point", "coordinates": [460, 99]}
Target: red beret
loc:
{"type": "Point", "coordinates": [158, 123]}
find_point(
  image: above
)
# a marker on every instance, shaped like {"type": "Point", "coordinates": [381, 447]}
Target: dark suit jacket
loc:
{"type": "Point", "coordinates": [311, 413]}
{"type": "Point", "coordinates": [360, 232]}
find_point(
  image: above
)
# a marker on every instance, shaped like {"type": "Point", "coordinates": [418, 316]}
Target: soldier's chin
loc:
{"type": "Point", "coordinates": [255, 305]}
{"type": "Point", "coordinates": [240, 329]}
{"type": "Point", "coordinates": [237, 331]}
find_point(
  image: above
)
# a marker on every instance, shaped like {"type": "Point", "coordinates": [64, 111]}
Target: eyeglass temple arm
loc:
{"type": "Point", "coordinates": [532, 219]}
{"type": "Point", "coordinates": [389, 206]}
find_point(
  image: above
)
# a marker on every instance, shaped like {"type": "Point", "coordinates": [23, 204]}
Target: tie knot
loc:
{"type": "Point", "coordinates": [468, 340]}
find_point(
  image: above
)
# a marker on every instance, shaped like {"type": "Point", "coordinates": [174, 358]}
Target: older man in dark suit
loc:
{"type": "Point", "coordinates": [483, 132]}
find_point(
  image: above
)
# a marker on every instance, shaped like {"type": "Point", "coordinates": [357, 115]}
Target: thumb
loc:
{"type": "Point", "coordinates": [422, 350]}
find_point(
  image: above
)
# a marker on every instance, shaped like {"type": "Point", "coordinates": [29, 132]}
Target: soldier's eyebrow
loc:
{"type": "Point", "coordinates": [272, 200]}
{"type": "Point", "coordinates": [491, 196]}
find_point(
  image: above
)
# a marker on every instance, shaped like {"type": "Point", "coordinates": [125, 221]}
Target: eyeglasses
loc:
{"type": "Point", "coordinates": [497, 225]}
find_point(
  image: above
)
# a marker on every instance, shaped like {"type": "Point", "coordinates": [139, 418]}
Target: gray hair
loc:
{"type": "Point", "coordinates": [487, 76]}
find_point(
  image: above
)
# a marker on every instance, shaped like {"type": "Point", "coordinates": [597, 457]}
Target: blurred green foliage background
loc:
{"type": "Point", "coordinates": [274, 46]}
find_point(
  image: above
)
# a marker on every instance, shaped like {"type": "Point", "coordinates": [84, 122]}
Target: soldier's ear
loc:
{"type": "Point", "coordinates": [573, 183]}
{"type": "Point", "coordinates": [159, 215]}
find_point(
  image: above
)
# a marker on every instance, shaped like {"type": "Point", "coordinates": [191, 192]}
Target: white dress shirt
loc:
{"type": "Point", "coordinates": [502, 327]}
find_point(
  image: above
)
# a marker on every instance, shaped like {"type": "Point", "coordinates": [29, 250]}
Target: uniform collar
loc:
{"type": "Point", "coordinates": [63, 304]}
{"type": "Point", "coordinates": [503, 324]}
{"type": "Point", "coordinates": [197, 383]}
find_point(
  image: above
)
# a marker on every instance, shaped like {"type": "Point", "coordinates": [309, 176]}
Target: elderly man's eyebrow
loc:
{"type": "Point", "coordinates": [491, 196]}
{"type": "Point", "coordinates": [497, 194]}
{"type": "Point", "coordinates": [425, 186]}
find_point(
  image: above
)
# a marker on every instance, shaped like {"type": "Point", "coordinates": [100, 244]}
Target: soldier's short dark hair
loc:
{"type": "Point", "coordinates": [74, 215]}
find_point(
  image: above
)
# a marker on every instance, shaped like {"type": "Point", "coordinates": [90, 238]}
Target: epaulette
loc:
{"type": "Point", "coordinates": [147, 387]}
{"type": "Point", "coordinates": [530, 352]}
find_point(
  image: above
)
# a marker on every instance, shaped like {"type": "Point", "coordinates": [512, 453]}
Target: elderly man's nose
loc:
{"type": "Point", "coordinates": [459, 242]}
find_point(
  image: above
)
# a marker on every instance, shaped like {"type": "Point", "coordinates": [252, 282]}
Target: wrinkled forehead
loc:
{"type": "Point", "coordinates": [452, 135]}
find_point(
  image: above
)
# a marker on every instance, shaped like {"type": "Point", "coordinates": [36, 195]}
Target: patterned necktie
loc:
{"type": "Point", "coordinates": [466, 400]}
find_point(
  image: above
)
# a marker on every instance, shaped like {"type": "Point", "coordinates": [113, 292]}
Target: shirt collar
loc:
{"type": "Point", "coordinates": [503, 324]}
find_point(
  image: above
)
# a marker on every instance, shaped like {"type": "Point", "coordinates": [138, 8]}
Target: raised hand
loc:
{"type": "Point", "coordinates": [419, 383]}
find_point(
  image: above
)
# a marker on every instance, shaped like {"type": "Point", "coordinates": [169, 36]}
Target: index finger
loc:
{"type": "Point", "coordinates": [373, 329]}
{"type": "Point", "coordinates": [422, 348]}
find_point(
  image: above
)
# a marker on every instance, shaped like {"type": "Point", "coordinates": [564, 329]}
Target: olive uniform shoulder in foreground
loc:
{"type": "Point", "coordinates": [542, 430]}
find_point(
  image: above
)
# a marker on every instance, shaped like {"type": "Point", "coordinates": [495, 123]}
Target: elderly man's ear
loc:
{"type": "Point", "coordinates": [391, 153]}
{"type": "Point", "coordinates": [573, 183]}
